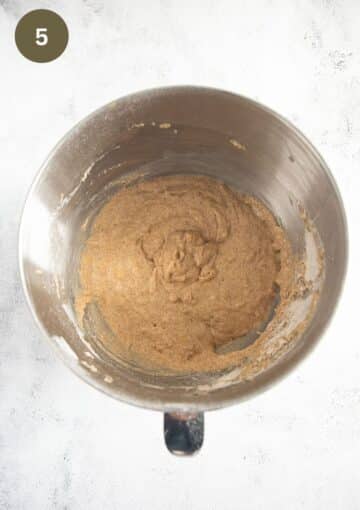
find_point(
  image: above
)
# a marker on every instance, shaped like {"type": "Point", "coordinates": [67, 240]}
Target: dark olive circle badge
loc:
{"type": "Point", "coordinates": [41, 35]}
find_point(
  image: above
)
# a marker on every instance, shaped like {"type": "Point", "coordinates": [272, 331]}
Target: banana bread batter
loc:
{"type": "Point", "coordinates": [180, 265]}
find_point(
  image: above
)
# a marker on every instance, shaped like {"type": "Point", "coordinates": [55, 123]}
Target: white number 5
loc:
{"type": "Point", "coordinates": [41, 37]}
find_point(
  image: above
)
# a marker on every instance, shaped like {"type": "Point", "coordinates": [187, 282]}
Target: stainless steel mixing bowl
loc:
{"type": "Point", "coordinates": [163, 131]}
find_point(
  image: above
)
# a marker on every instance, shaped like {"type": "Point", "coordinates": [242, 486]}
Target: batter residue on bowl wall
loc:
{"type": "Point", "coordinates": [178, 266]}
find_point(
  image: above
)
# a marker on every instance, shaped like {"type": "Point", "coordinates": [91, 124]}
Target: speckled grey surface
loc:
{"type": "Point", "coordinates": [62, 444]}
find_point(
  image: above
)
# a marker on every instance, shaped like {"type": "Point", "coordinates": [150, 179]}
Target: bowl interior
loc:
{"type": "Point", "coordinates": [182, 130]}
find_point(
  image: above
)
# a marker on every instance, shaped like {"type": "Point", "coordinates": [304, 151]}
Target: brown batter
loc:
{"type": "Point", "coordinates": [180, 265]}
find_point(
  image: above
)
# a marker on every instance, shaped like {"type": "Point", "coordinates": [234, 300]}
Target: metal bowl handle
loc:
{"type": "Point", "coordinates": [184, 432]}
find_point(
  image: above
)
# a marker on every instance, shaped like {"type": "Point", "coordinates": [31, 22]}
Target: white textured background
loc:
{"type": "Point", "coordinates": [62, 444]}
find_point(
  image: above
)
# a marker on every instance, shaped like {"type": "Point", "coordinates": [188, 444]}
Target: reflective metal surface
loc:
{"type": "Point", "coordinates": [163, 131]}
{"type": "Point", "coordinates": [184, 433]}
